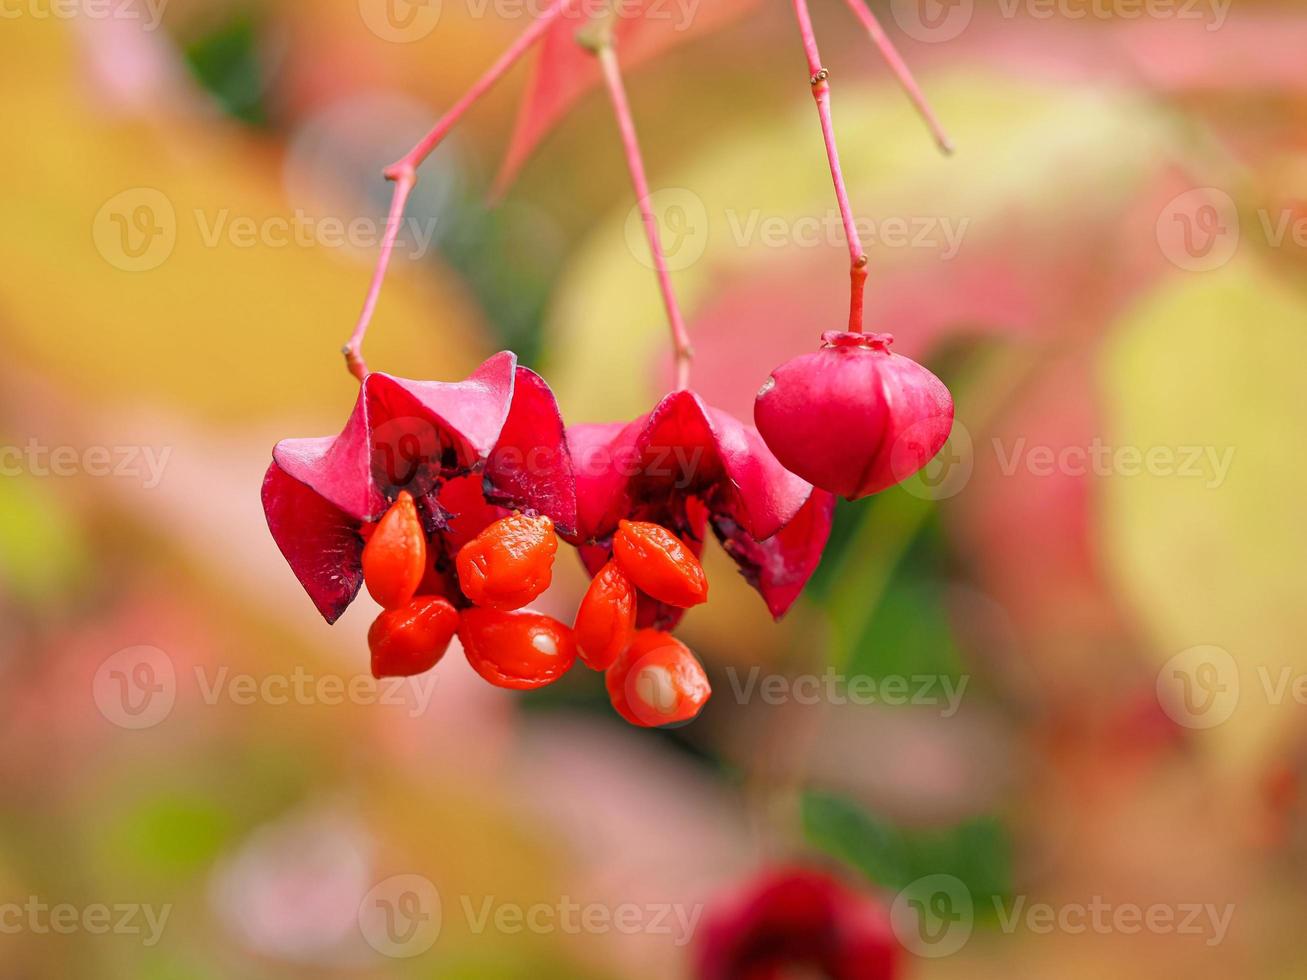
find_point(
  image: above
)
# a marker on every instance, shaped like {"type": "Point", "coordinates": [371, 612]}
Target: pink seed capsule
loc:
{"type": "Point", "coordinates": [854, 418]}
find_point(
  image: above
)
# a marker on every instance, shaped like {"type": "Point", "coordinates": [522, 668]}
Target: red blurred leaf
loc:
{"type": "Point", "coordinates": [564, 70]}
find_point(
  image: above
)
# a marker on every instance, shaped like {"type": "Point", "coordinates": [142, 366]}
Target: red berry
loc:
{"type": "Point", "coordinates": [395, 557]}
{"type": "Point", "coordinates": [518, 650]}
{"type": "Point", "coordinates": [411, 640]}
{"type": "Point", "coordinates": [605, 623]}
{"type": "Point", "coordinates": [509, 563]}
{"type": "Point", "coordinates": [659, 564]}
{"type": "Point", "coordinates": [854, 418]}
{"type": "Point", "coordinates": [657, 681]}
{"type": "Point", "coordinates": [797, 922]}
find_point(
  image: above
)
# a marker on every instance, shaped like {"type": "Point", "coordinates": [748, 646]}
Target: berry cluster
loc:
{"type": "Point", "coordinates": [447, 500]}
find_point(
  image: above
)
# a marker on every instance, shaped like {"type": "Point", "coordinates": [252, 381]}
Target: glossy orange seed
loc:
{"type": "Point", "coordinates": [659, 563]}
{"type": "Point", "coordinates": [657, 681]}
{"type": "Point", "coordinates": [508, 564]}
{"type": "Point", "coordinates": [517, 650]}
{"type": "Point", "coordinates": [395, 556]}
{"type": "Point", "coordinates": [412, 639]}
{"type": "Point", "coordinates": [605, 621]}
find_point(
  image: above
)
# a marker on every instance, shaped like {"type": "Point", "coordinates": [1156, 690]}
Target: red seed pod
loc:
{"type": "Point", "coordinates": [510, 563]}
{"type": "Point", "coordinates": [605, 622]}
{"type": "Point", "coordinates": [854, 418]}
{"type": "Point", "coordinates": [657, 681]}
{"type": "Point", "coordinates": [794, 921]}
{"type": "Point", "coordinates": [659, 564]}
{"type": "Point", "coordinates": [395, 556]}
{"type": "Point", "coordinates": [517, 650]}
{"type": "Point", "coordinates": [411, 640]}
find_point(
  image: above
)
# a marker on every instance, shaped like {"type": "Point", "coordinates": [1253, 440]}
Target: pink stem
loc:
{"type": "Point", "coordinates": [901, 70]}
{"type": "Point", "coordinates": [404, 171]}
{"type": "Point", "coordinates": [635, 163]}
{"type": "Point", "coordinates": [353, 355]}
{"type": "Point", "coordinates": [821, 93]}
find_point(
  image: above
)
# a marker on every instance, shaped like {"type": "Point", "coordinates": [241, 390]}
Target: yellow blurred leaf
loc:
{"type": "Point", "coordinates": [1214, 558]}
{"type": "Point", "coordinates": [159, 261]}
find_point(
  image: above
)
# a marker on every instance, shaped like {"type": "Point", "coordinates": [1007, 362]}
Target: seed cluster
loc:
{"type": "Point", "coordinates": [652, 678]}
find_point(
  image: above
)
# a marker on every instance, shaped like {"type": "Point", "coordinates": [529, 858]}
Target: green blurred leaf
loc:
{"type": "Point", "coordinates": [225, 60]}
{"type": "Point", "coordinates": [978, 852]}
{"type": "Point", "coordinates": [174, 832]}
{"type": "Point", "coordinates": [40, 554]}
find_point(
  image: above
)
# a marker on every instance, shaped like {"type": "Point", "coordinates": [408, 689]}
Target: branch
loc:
{"type": "Point", "coordinates": [821, 94]}
{"type": "Point", "coordinates": [635, 163]}
{"type": "Point", "coordinates": [403, 172]}
{"type": "Point", "coordinates": [901, 71]}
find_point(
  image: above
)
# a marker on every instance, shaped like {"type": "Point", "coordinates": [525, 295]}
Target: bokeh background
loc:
{"type": "Point", "coordinates": [1104, 565]}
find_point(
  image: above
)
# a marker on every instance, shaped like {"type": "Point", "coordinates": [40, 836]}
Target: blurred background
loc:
{"type": "Point", "coordinates": [1057, 678]}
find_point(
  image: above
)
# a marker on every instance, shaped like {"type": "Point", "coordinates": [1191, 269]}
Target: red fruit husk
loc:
{"type": "Point", "coordinates": [692, 468]}
{"type": "Point", "coordinates": [510, 563]}
{"type": "Point", "coordinates": [797, 921]}
{"type": "Point", "coordinates": [412, 640]}
{"type": "Point", "coordinates": [854, 418]}
{"type": "Point", "coordinates": [605, 622]}
{"type": "Point", "coordinates": [657, 682]}
{"type": "Point", "coordinates": [517, 650]}
{"type": "Point", "coordinates": [469, 452]}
